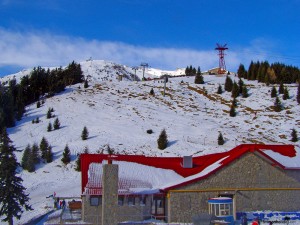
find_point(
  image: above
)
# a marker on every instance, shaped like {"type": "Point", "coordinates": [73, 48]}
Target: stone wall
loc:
{"type": "Point", "coordinates": [249, 171]}
{"type": "Point", "coordinates": [137, 212]}
{"type": "Point", "coordinates": [91, 214]}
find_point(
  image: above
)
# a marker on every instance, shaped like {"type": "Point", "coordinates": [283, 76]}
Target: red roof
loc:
{"type": "Point", "coordinates": [199, 163]}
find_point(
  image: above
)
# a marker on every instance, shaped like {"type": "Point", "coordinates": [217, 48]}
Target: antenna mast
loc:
{"type": "Point", "coordinates": [222, 66]}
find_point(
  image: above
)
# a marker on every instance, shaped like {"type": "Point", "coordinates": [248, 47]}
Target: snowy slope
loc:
{"type": "Point", "coordinates": [118, 114]}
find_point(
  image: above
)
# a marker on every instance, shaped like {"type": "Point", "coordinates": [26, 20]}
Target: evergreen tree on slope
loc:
{"type": "Point", "coordinates": [294, 136]}
{"type": "Point", "coordinates": [27, 160]}
{"type": "Point", "coordinates": [286, 94]}
{"type": "Point", "coordinates": [66, 155]}
{"type": "Point", "coordinates": [273, 92]}
{"type": "Point", "coordinates": [162, 140]}
{"type": "Point", "coordinates": [199, 77]}
{"type": "Point", "coordinates": [35, 152]}
{"type": "Point", "coordinates": [235, 90]}
{"type": "Point", "coordinates": [228, 84]}
{"type": "Point", "coordinates": [277, 105]}
{"type": "Point", "coordinates": [281, 88]}
{"type": "Point", "coordinates": [56, 124]}
{"type": "Point", "coordinates": [44, 145]}
{"type": "Point", "coordinates": [12, 193]}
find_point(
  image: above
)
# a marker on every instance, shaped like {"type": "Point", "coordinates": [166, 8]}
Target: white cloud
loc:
{"type": "Point", "coordinates": [29, 49]}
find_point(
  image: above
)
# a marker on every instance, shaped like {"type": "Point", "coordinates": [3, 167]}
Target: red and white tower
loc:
{"type": "Point", "coordinates": [222, 66]}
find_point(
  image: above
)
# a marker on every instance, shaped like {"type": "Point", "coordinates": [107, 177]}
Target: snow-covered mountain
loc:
{"type": "Point", "coordinates": [118, 113]}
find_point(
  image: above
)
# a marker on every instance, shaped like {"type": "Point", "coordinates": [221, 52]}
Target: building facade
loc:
{"type": "Point", "coordinates": [254, 177]}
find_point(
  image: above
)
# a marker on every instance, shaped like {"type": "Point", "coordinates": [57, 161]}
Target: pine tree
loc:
{"type": "Point", "coordinates": [187, 71]}
{"type": "Point", "coordinates": [199, 78]}
{"type": "Point", "coordinates": [294, 136]}
{"type": "Point", "coordinates": [277, 105]}
{"type": "Point", "coordinates": [250, 70]}
{"type": "Point", "coordinates": [162, 140]}
{"type": "Point", "coordinates": [12, 193]}
{"type": "Point", "coordinates": [235, 90]}
{"type": "Point", "coordinates": [220, 91]}
{"type": "Point", "coordinates": [44, 145]}
{"type": "Point", "coordinates": [35, 153]}
{"type": "Point", "coordinates": [273, 92]}
{"type": "Point", "coordinates": [220, 139]}
{"type": "Point", "coordinates": [49, 154]}
{"type": "Point", "coordinates": [25, 158]}
{"type": "Point", "coordinates": [232, 111]}
{"type": "Point", "coordinates": [298, 94]}
{"type": "Point", "coordinates": [242, 73]}
{"type": "Point", "coordinates": [151, 91]}
{"type": "Point", "coordinates": [38, 104]}
{"type": "Point", "coordinates": [228, 84]}
{"type": "Point", "coordinates": [56, 124]}
{"type": "Point", "coordinates": [49, 128]}
{"type": "Point", "coordinates": [49, 113]}
{"type": "Point", "coordinates": [286, 94]}
{"type": "Point", "coordinates": [66, 155]}
{"type": "Point", "coordinates": [84, 134]}
{"type": "Point", "coordinates": [245, 92]}
{"type": "Point", "coordinates": [281, 88]}
{"type": "Point", "coordinates": [241, 85]}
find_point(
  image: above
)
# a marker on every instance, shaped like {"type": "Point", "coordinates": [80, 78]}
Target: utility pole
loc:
{"type": "Point", "coordinates": [165, 81]}
{"type": "Point", "coordinates": [135, 68]}
{"type": "Point", "coordinates": [144, 65]}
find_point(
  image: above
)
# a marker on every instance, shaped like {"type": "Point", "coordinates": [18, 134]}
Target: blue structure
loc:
{"type": "Point", "coordinates": [275, 217]}
{"type": "Point", "coordinates": [222, 209]}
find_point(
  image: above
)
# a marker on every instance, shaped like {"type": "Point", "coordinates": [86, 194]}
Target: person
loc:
{"type": "Point", "coordinates": [255, 222]}
{"type": "Point", "coordinates": [63, 204]}
{"type": "Point", "coordinates": [244, 219]}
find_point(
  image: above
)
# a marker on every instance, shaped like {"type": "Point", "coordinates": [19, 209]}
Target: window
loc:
{"type": "Point", "coordinates": [158, 205]}
{"type": "Point", "coordinates": [121, 200]}
{"type": "Point", "coordinates": [143, 200]}
{"type": "Point", "coordinates": [95, 201]}
{"type": "Point", "coordinates": [131, 200]}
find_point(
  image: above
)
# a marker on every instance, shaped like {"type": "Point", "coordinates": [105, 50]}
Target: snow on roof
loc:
{"type": "Point", "coordinates": [134, 178]}
{"type": "Point", "coordinates": [204, 172]}
{"type": "Point", "coordinates": [287, 162]}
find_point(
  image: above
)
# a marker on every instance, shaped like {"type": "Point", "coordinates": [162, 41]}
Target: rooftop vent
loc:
{"type": "Point", "coordinates": [187, 162]}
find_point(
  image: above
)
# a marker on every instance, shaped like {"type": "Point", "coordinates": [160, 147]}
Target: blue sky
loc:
{"type": "Point", "coordinates": [167, 34]}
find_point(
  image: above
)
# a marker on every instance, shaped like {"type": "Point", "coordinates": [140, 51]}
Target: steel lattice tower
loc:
{"type": "Point", "coordinates": [222, 66]}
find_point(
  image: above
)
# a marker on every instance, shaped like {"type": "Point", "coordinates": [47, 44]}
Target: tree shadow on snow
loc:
{"type": "Point", "coordinates": [170, 143]}
{"type": "Point", "coordinates": [91, 137]}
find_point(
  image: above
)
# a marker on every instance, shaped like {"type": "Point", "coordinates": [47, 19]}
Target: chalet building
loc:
{"type": "Point", "coordinates": [252, 177]}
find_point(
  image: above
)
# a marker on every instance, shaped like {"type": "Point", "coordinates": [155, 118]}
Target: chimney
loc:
{"type": "Point", "coordinates": [187, 162]}
{"type": "Point", "coordinates": [110, 193]}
